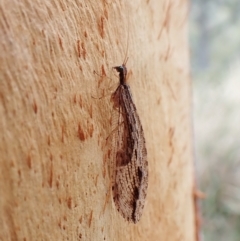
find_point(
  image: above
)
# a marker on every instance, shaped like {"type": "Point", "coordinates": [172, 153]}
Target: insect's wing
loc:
{"type": "Point", "coordinates": [130, 180]}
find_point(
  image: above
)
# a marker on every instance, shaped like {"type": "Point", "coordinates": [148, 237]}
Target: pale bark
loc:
{"type": "Point", "coordinates": [54, 182]}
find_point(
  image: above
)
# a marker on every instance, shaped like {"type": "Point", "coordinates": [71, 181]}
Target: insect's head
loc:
{"type": "Point", "coordinates": [122, 70]}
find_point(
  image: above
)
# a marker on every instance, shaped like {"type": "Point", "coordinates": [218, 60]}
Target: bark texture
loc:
{"type": "Point", "coordinates": [54, 182]}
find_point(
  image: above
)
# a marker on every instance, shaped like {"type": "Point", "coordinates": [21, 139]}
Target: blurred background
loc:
{"type": "Point", "coordinates": [215, 63]}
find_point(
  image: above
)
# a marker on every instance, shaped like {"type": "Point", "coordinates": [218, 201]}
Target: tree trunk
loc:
{"type": "Point", "coordinates": [56, 117]}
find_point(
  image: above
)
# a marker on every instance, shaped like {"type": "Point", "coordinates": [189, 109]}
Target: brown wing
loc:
{"type": "Point", "coordinates": [130, 177]}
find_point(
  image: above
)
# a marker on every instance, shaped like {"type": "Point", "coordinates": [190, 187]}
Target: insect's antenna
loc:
{"type": "Point", "coordinates": [125, 61]}
{"type": "Point", "coordinates": [125, 57]}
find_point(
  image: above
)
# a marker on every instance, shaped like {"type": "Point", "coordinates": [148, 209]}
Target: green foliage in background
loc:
{"type": "Point", "coordinates": [214, 37]}
{"type": "Point", "coordinates": [215, 62]}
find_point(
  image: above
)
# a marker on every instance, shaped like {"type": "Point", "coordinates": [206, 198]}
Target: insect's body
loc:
{"type": "Point", "coordinates": [130, 179]}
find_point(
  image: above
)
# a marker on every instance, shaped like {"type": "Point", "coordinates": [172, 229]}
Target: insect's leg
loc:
{"type": "Point", "coordinates": [103, 96]}
{"type": "Point", "coordinates": [109, 88]}
{"type": "Point", "coordinates": [107, 197]}
{"type": "Point", "coordinates": [111, 175]}
{"type": "Point", "coordinates": [115, 129]}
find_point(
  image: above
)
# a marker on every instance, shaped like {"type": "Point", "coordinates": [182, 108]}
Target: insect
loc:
{"type": "Point", "coordinates": [130, 174]}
